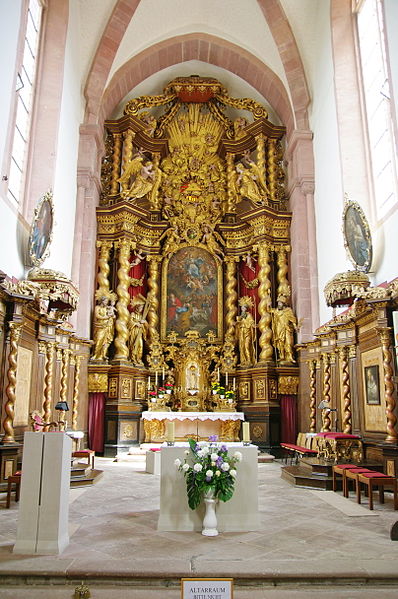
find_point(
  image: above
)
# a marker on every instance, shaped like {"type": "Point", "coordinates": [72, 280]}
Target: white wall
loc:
{"type": "Point", "coordinates": [329, 194]}
{"type": "Point", "coordinates": [68, 143]}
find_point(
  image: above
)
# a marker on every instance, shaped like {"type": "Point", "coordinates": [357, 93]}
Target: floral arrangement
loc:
{"type": "Point", "coordinates": [168, 385]}
{"type": "Point", "coordinates": [230, 395]}
{"type": "Point", "coordinates": [208, 467]}
{"type": "Point", "coordinates": [152, 393]}
{"type": "Point", "coordinates": [161, 390]}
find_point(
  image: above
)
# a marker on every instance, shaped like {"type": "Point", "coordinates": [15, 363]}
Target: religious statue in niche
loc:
{"type": "Point", "coordinates": [284, 323]}
{"type": "Point", "coordinates": [246, 333]}
{"type": "Point", "coordinates": [104, 326]}
{"type": "Point", "coordinates": [138, 329]}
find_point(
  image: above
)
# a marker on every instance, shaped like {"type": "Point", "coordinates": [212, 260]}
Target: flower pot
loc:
{"type": "Point", "coordinates": [210, 519]}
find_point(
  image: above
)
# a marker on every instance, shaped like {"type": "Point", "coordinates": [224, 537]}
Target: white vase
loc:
{"type": "Point", "coordinates": [210, 519]}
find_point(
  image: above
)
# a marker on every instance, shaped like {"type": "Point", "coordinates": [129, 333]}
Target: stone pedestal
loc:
{"type": "Point", "coordinates": [44, 501]}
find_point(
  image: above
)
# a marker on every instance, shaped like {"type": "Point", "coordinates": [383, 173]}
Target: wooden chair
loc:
{"type": "Point", "coordinates": [85, 453]}
{"type": "Point", "coordinates": [13, 479]}
{"type": "Point", "coordinates": [379, 480]}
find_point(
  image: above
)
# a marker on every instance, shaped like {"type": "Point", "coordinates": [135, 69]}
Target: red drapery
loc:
{"type": "Point", "coordinates": [288, 419]}
{"type": "Point", "coordinates": [137, 272]}
{"type": "Point", "coordinates": [96, 412]}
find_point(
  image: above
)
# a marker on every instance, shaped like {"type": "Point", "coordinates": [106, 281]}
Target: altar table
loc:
{"type": "Point", "coordinates": [197, 425]}
{"type": "Point", "coordinates": [239, 514]}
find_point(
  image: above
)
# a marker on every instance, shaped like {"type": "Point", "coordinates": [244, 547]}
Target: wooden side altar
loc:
{"type": "Point", "coordinates": [197, 425]}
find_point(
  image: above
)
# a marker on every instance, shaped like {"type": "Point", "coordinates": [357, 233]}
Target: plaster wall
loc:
{"type": "Point", "coordinates": [241, 23]}
{"type": "Point", "coordinates": [66, 164]}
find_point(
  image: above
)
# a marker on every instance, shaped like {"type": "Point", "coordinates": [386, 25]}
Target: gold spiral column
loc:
{"type": "Point", "coordinates": [76, 391]}
{"type": "Point", "coordinates": [153, 295]}
{"type": "Point", "coordinates": [232, 297]}
{"type": "Point", "coordinates": [127, 154]}
{"type": "Point", "coordinates": [15, 333]}
{"type": "Point", "coordinates": [260, 143]}
{"type": "Point", "coordinates": [386, 341]}
{"type": "Point", "coordinates": [326, 422]}
{"type": "Point", "coordinates": [117, 154]}
{"type": "Point", "coordinates": [264, 293]}
{"type": "Point", "coordinates": [48, 381]}
{"type": "Point", "coordinates": [272, 170]}
{"type": "Point", "coordinates": [231, 195]}
{"type": "Point", "coordinates": [123, 295]}
{"type": "Point", "coordinates": [281, 275]}
{"type": "Point", "coordinates": [103, 266]}
{"type": "Point", "coordinates": [154, 195]}
{"type": "Point", "coordinates": [312, 365]}
{"type": "Point", "coordinates": [345, 379]}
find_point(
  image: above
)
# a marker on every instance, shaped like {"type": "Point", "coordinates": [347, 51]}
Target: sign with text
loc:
{"type": "Point", "coordinates": [207, 588]}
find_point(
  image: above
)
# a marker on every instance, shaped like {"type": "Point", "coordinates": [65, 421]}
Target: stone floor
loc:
{"type": "Point", "coordinates": [310, 544]}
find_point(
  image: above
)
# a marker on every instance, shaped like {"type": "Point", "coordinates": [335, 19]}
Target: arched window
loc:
{"type": "Point", "coordinates": [25, 92]}
{"type": "Point", "coordinates": [374, 71]}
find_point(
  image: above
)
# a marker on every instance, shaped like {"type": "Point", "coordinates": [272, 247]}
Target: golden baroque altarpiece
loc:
{"type": "Point", "coordinates": [192, 295]}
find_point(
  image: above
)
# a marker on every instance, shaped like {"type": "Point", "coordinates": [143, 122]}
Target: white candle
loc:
{"type": "Point", "coordinates": [226, 379]}
{"type": "Point", "coordinates": [149, 382]}
{"type": "Point", "coordinates": [245, 432]}
{"type": "Point", "coordinates": [218, 374]}
{"type": "Point", "coordinates": [234, 384]}
{"type": "Point", "coordinates": [170, 431]}
{"type": "Point", "coordinates": [163, 372]}
{"type": "Point", "coordinates": [156, 378]}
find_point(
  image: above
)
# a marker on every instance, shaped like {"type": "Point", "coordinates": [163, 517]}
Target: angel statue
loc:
{"type": "Point", "coordinates": [284, 323]}
{"type": "Point", "coordinates": [246, 333]}
{"type": "Point", "coordinates": [212, 239]}
{"type": "Point", "coordinates": [138, 178]}
{"type": "Point", "coordinates": [249, 183]}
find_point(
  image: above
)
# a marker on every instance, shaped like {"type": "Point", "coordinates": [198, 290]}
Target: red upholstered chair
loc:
{"type": "Point", "coordinates": [352, 475]}
{"type": "Point", "coordinates": [11, 480]}
{"type": "Point", "coordinates": [341, 470]}
{"type": "Point", "coordinates": [379, 480]}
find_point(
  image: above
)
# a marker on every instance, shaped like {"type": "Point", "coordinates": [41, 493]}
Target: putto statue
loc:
{"type": "Point", "coordinates": [246, 333]}
{"type": "Point", "coordinates": [284, 323]}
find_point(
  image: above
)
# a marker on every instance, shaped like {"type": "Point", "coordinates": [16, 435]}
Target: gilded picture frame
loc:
{"type": "Point", "coordinates": [192, 293]}
{"type": "Point", "coordinates": [372, 385]}
{"type": "Point", "coordinates": [357, 236]}
{"type": "Point", "coordinates": [41, 231]}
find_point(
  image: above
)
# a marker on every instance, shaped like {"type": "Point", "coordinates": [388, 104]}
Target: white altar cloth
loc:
{"type": "Point", "coordinates": [239, 514]}
{"type": "Point", "coordinates": [192, 415]}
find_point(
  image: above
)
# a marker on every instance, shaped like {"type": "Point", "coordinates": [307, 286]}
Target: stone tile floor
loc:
{"type": "Point", "coordinates": [305, 546]}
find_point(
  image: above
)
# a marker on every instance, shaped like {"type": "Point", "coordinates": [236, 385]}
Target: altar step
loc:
{"type": "Point", "coordinates": [82, 475]}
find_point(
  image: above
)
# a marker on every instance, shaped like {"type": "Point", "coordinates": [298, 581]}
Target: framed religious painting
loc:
{"type": "Point", "coordinates": [192, 293]}
{"type": "Point", "coordinates": [372, 385]}
{"type": "Point", "coordinates": [41, 230]}
{"type": "Point", "coordinates": [357, 237]}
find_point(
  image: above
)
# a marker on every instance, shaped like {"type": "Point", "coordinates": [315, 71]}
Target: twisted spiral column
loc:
{"type": "Point", "coordinates": [48, 380]}
{"type": "Point", "coordinates": [65, 354]}
{"type": "Point", "coordinates": [117, 155]}
{"type": "Point", "coordinates": [386, 341]}
{"type": "Point", "coordinates": [123, 295]}
{"type": "Point", "coordinates": [312, 365]}
{"type": "Point", "coordinates": [15, 333]}
{"type": "Point", "coordinates": [75, 399]}
{"type": "Point", "coordinates": [127, 153]}
{"type": "Point", "coordinates": [264, 294]}
{"type": "Point", "coordinates": [231, 297]}
{"type": "Point", "coordinates": [345, 378]}
{"type": "Point", "coordinates": [153, 295]}
{"type": "Point", "coordinates": [281, 275]}
{"type": "Point", "coordinates": [103, 265]}
{"type": "Point", "coordinates": [260, 143]}
{"type": "Point", "coordinates": [326, 391]}
{"type": "Point", "coordinates": [272, 169]}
